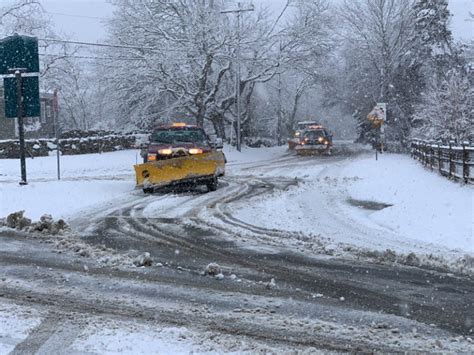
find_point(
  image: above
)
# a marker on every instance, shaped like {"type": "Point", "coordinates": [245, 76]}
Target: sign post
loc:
{"type": "Point", "coordinates": [382, 108]}
{"type": "Point", "coordinates": [378, 116]}
{"type": "Point", "coordinates": [56, 129]}
{"type": "Point", "coordinates": [21, 130]}
{"type": "Point", "coordinates": [19, 66]}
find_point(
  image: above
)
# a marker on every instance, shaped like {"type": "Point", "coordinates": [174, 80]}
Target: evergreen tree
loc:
{"type": "Point", "coordinates": [443, 112]}
{"type": "Point", "coordinates": [435, 41]}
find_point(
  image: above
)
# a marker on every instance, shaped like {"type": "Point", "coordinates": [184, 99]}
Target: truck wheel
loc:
{"type": "Point", "coordinates": [148, 190]}
{"type": "Point", "coordinates": [212, 184]}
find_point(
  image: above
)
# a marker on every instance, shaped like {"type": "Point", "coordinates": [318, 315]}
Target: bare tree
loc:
{"type": "Point", "coordinates": [380, 58]}
{"type": "Point", "coordinates": [185, 60]}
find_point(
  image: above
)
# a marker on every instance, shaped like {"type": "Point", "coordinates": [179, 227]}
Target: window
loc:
{"type": "Point", "coordinates": [173, 136]}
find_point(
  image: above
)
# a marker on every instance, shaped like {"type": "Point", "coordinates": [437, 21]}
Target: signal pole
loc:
{"type": "Point", "coordinates": [239, 118]}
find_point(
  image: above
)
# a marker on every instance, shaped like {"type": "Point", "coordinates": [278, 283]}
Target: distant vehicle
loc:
{"type": "Point", "coordinates": [314, 141]}
{"type": "Point", "coordinates": [300, 128]}
{"type": "Point", "coordinates": [310, 137]}
{"type": "Point", "coordinates": [180, 154]}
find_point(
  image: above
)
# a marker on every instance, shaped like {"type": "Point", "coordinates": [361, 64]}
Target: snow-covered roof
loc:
{"type": "Point", "coordinates": [308, 122]}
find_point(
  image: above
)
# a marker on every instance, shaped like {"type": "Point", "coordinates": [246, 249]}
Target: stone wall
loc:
{"type": "Point", "coordinates": [72, 145]}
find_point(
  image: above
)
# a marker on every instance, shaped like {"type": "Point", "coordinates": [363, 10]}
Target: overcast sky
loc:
{"type": "Point", "coordinates": [66, 15]}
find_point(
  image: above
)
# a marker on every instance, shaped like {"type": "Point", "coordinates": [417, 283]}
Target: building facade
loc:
{"type": "Point", "coordinates": [35, 127]}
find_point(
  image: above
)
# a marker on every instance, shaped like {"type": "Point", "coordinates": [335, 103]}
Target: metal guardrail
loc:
{"type": "Point", "coordinates": [453, 161]}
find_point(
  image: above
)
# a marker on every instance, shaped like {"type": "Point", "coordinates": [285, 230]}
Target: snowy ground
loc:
{"type": "Point", "coordinates": [427, 210]}
{"type": "Point", "coordinates": [97, 335]}
{"type": "Point", "coordinates": [86, 180]}
{"type": "Point", "coordinates": [15, 324]}
{"type": "Point", "coordinates": [287, 232]}
{"type": "Point", "coordinates": [426, 206]}
{"type": "Point", "coordinates": [337, 200]}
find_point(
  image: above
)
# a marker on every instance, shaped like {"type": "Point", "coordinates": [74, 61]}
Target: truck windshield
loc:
{"type": "Point", "coordinates": [315, 134]}
{"type": "Point", "coordinates": [172, 136]}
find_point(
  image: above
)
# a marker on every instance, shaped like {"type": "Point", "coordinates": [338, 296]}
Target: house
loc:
{"type": "Point", "coordinates": [35, 127]}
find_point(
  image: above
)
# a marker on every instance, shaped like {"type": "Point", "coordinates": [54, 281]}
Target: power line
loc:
{"type": "Point", "coordinates": [88, 57]}
{"type": "Point", "coordinates": [61, 56]}
{"type": "Point", "coordinates": [109, 58]}
{"type": "Point", "coordinates": [94, 44]}
{"type": "Point", "coordinates": [79, 16]}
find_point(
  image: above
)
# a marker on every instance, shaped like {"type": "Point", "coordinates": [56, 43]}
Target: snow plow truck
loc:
{"type": "Point", "coordinates": [310, 138]}
{"type": "Point", "coordinates": [180, 154]}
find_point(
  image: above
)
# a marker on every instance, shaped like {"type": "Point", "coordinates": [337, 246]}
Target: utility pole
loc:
{"type": "Point", "coordinates": [239, 118]}
{"type": "Point", "coordinates": [279, 98]}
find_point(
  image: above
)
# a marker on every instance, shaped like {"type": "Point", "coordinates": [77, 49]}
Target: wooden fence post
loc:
{"type": "Point", "coordinates": [440, 162]}
{"type": "Point", "coordinates": [427, 150]}
{"type": "Point", "coordinates": [423, 153]}
{"type": "Point", "coordinates": [431, 155]}
{"type": "Point", "coordinates": [465, 162]}
{"type": "Point", "coordinates": [451, 160]}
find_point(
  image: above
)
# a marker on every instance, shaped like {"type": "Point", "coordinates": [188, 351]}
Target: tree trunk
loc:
{"type": "Point", "coordinates": [218, 123]}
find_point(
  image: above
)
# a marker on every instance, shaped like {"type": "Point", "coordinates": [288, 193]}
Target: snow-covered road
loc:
{"type": "Point", "coordinates": [336, 198]}
{"type": "Point", "coordinates": [313, 225]}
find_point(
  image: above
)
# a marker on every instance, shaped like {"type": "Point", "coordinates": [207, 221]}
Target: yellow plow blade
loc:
{"type": "Point", "coordinates": [312, 150]}
{"type": "Point", "coordinates": [181, 169]}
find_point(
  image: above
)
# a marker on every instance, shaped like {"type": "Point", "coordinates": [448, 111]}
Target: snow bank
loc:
{"type": "Point", "coordinates": [426, 207]}
{"type": "Point", "coordinates": [78, 166]}
{"type": "Point", "coordinates": [61, 199]}
{"type": "Point", "coordinates": [86, 180]}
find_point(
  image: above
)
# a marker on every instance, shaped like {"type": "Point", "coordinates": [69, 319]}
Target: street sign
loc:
{"type": "Point", "coordinates": [19, 52]}
{"type": "Point", "coordinates": [381, 108]}
{"type": "Point", "coordinates": [378, 114]}
{"type": "Point", "coordinates": [31, 100]}
{"type": "Point", "coordinates": [19, 65]}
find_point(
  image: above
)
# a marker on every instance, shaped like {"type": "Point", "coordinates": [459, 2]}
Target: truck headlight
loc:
{"type": "Point", "coordinates": [195, 151]}
{"type": "Point", "coordinates": [166, 151]}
